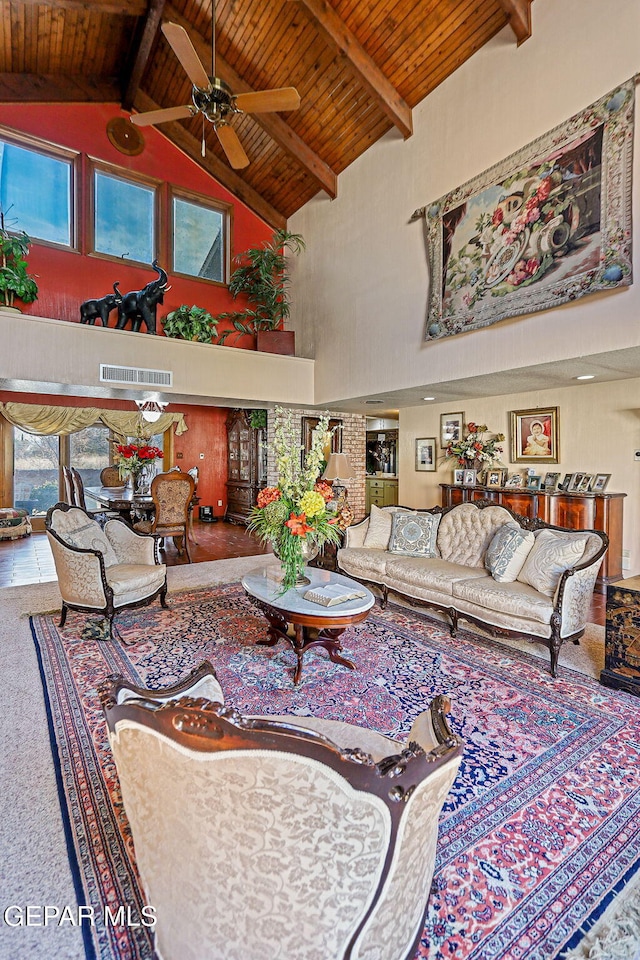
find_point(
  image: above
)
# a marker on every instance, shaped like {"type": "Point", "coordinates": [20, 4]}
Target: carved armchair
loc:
{"type": "Point", "coordinates": [102, 569]}
{"type": "Point", "coordinates": [262, 838]}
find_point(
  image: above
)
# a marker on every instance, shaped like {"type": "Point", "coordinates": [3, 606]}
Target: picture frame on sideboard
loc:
{"type": "Point", "coordinates": [495, 478]}
{"type": "Point", "coordinates": [469, 478]}
{"type": "Point", "coordinates": [514, 480]}
{"type": "Point", "coordinates": [458, 476]}
{"type": "Point", "coordinates": [600, 482]}
{"type": "Point", "coordinates": [551, 481]}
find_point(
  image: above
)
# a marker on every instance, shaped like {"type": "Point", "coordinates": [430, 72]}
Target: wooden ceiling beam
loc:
{"type": "Point", "coordinates": [151, 25]}
{"type": "Point", "coordinates": [134, 8]}
{"type": "Point", "coordinates": [277, 128]}
{"type": "Point", "coordinates": [519, 14]}
{"type": "Point", "coordinates": [340, 37]}
{"type": "Point", "coordinates": [190, 145]}
{"type": "Point", "coordinates": [54, 88]}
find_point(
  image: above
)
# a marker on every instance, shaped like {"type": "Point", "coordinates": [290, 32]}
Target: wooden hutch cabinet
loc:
{"type": "Point", "coordinates": [577, 511]}
{"type": "Point", "coordinates": [246, 465]}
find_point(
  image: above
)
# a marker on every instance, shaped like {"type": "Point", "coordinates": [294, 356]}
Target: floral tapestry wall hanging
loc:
{"type": "Point", "coordinates": [549, 224]}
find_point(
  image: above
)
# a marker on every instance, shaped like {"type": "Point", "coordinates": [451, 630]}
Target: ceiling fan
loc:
{"type": "Point", "coordinates": [214, 98]}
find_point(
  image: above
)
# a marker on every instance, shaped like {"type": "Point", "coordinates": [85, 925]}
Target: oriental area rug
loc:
{"type": "Point", "coordinates": [541, 829]}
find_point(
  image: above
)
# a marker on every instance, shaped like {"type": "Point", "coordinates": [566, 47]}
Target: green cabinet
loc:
{"type": "Point", "coordinates": [382, 492]}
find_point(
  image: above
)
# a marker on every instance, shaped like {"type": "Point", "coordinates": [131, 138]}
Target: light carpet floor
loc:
{"type": "Point", "coordinates": [34, 867]}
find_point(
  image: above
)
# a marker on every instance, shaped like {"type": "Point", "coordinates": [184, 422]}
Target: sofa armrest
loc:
{"type": "Point", "coordinates": [130, 546]}
{"type": "Point", "coordinates": [355, 535]}
{"type": "Point", "coordinates": [574, 597]}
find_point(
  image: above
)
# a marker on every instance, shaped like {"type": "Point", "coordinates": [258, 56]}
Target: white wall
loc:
{"type": "Point", "coordinates": [363, 282]}
{"type": "Point", "coordinates": [599, 431]}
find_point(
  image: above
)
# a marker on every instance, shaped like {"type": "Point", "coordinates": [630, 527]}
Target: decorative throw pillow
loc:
{"type": "Point", "coordinates": [550, 556]}
{"type": "Point", "coordinates": [90, 536]}
{"type": "Point", "coordinates": [379, 529]}
{"type": "Point", "coordinates": [414, 534]}
{"type": "Point", "coordinates": [508, 551]}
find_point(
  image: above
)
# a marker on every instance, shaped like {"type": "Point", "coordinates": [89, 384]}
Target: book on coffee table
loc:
{"type": "Point", "coordinates": [333, 594]}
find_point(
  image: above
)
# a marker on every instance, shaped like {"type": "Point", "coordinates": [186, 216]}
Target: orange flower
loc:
{"type": "Point", "coordinates": [267, 495]}
{"type": "Point", "coordinates": [298, 525]}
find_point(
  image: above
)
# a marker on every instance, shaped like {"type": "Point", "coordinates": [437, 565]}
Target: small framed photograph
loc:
{"type": "Point", "coordinates": [535, 436]}
{"type": "Point", "coordinates": [451, 425]}
{"type": "Point", "coordinates": [469, 479]}
{"type": "Point", "coordinates": [551, 481]}
{"type": "Point", "coordinates": [533, 482]}
{"type": "Point", "coordinates": [514, 480]}
{"type": "Point", "coordinates": [426, 453]}
{"type": "Point", "coordinates": [600, 482]}
{"type": "Point", "coordinates": [585, 484]}
{"type": "Point", "coordinates": [574, 482]}
{"type": "Point", "coordinates": [495, 478]}
{"type": "Point", "coordinates": [565, 482]}
{"type": "Point", "coordinates": [458, 475]}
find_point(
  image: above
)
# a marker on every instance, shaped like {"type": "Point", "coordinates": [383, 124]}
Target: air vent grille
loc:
{"type": "Point", "coordinates": [135, 375]}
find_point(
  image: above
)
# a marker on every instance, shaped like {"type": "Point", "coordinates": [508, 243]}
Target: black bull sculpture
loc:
{"type": "Point", "coordinates": [138, 306]}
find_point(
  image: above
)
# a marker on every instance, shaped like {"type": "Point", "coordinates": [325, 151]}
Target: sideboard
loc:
{"type": "Point", "coordinates": [577, 511]}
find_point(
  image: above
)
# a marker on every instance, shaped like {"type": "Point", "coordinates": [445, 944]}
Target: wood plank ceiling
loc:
{"type": "Point", "coordinates": [360, 67]}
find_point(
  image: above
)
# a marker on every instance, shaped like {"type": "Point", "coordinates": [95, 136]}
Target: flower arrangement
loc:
{"type": "Point", "coordinates": [293, 515]}
{"type": "Point", "coordinates": [474, 448]}
{"type": "Point", "coordinates": [131, 458]}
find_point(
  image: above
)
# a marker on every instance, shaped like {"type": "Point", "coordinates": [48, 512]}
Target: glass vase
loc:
{"type": "Point", "coordinates": [309, 550]}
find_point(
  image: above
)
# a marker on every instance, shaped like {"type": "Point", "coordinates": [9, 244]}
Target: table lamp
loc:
{"type": "Point", "coordinates": [338, 468]}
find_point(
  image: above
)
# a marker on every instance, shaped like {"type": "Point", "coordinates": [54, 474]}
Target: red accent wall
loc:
{"type": "Point", "coordinates": [66, 279]}
{"type": "Point", "coordinates": [207, 433]}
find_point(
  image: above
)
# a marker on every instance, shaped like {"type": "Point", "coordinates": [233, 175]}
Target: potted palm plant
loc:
{"type": "Point", "coordinates": [261, 276]}
{"type": "Point", "coordinates": [15, 282]}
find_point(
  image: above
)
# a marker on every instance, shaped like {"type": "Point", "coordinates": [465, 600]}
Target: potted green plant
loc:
{"type": "Point", "coordinates": [261, 276]}
{"type": "Point", "coordinates": [15, 282]}
{"type": "Point", "coordinates": [191, 323]}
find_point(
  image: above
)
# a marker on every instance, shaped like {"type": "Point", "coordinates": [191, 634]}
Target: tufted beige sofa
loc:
{"type": "Point", "coordinates": [457, 582]}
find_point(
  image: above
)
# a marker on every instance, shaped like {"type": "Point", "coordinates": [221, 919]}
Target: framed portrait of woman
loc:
{"type": "Point", "coordinates": [535, 436]}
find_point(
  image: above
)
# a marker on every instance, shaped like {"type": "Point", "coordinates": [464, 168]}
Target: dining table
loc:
{"type": "Point", "coordinates": [123, 500]}
{"type": "Point", "coordinates": [132, 506]}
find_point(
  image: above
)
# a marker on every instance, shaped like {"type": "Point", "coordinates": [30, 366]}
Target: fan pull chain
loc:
{"type": "Point", "coordinates": [204, 147]}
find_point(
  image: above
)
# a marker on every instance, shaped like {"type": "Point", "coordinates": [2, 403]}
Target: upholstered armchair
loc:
{"type": "Point", "coordinates": [172, 493]}
{"type": "Point", "coordinates": [262, 838]}
{"type": "Point", "coordinates": [102, 569]}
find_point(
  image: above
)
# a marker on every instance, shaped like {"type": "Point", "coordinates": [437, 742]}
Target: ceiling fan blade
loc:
{"type": "Point", "coordinates": [161, 116]}
{"type": "Point", "coordinates": [186, 54]}
{"type": "Point", "coordinates": [232, 147]}
{"type": "Point", "coordinates": [266, 101]}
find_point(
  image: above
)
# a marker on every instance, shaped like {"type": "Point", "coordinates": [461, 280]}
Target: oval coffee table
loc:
{"type": "Point", "coordinates": [290, 608]}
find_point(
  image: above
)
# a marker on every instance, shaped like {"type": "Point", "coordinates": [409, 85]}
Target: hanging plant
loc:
{"type": "Point", "coordinates": [258, 419]}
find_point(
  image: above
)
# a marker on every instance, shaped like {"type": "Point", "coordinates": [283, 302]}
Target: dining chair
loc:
{"type": "Point", "coordinates": [69, 487]}
{"type": "Point", "coordinates": [304, 837]}
{"type": "Point", "coordinates": [110, 477]}
{"type": "Point", "coordinates": [171, 493]}
{"type": "Point", "coordinates": [79, 501]}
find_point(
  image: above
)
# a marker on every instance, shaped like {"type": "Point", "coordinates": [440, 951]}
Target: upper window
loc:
{"type": "Point", "coordinates": [124, 217]}
{"type": "Point", "coordinates": [200, 230]}
{"type": "Point", "coordinates": [36, 192]}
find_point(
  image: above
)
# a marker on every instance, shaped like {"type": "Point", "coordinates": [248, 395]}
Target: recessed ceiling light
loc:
{"type": "Point", "coordinates": [373, 401]}
{"type": "Point", "coordinates": [428, 398]}
{"type": "Point", "coordinates": [586, 376]}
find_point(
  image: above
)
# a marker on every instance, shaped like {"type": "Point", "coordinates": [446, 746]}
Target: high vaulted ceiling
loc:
{"type": "Point", "coordinates": [360, 67]}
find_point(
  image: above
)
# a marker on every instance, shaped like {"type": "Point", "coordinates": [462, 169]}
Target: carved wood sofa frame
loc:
{"type": "Point", "coordinates": [554, 641]}
{"type": "Point", "coordinates": [202, 725]}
